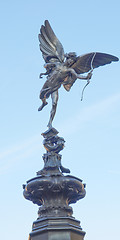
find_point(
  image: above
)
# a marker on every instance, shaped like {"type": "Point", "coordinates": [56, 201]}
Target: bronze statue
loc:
{"type": "Point", "coordinates": [64, 69]}
{"type": "Point", "coordinates": [51, 190]}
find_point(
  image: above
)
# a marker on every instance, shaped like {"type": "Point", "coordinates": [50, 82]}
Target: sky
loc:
{"type": "Point", "coordinates": [91, 128]}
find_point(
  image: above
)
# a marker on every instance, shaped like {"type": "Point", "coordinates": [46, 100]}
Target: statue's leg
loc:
{"type": "Point", "coordinates": [44, 103]}
{"type": "Point", "coordinates": [54, 97]}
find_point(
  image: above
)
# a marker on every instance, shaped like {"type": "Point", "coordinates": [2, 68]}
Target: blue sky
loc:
{"type": "Point", "coordinates": [91, 128]}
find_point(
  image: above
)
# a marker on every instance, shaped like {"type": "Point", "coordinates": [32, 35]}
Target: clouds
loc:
{"type": "Point", "coordinates": [21, 151]}
{"type": "Point", "coordinates": [98, 110]}
{"type": "Point", "coordinates": [18, 152]}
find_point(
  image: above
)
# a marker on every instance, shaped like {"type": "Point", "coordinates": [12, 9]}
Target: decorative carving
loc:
{"type": "Point", "coordinates": [54, 194]}
{"type": "Point", "coordinates": [52, 142]}
{"type": "Point", "coordinates": [52, 159]}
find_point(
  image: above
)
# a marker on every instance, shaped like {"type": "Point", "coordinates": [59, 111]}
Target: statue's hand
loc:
{"type": "Point", "coordinates": [41, 75]}
{"type": "Point", "coordinates": [89, 75]}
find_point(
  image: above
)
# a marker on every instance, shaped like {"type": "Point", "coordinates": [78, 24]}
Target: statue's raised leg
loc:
{"type": "Point", "coordinates": [44, 103]}
{"type": "Point", "coordinates": [54, 97]}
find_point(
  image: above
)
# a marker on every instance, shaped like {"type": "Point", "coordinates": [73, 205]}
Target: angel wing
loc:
{"type": "Point", "coordinates": [87, 62]}
{"type": "Point", "coordinates": [50, 46]}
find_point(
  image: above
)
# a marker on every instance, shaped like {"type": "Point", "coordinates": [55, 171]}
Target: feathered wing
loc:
{"type": "Point", "coordinates": [83, 63]}
{"type": "Point", "coordinates": [87, 62]}
{"type": "Point", "coordinates": [50, 46]}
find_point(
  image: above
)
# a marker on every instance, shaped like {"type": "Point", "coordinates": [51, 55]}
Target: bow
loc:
{"type": "Point", "coordinates": [88, 80]}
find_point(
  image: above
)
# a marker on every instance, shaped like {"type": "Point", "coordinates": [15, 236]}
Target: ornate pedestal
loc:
{"type": "Point", "coordinates": [56, 228]}
{"type": "Point", "coordinates": [53, 192]}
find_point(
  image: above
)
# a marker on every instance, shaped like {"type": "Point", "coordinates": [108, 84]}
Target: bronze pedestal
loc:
{"type": "Point", "coordinates": [56, 228]}
{"type": "Point", "coordinates": [53, 193]}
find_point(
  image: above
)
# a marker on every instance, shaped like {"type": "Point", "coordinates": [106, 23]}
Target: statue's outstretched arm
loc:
{"type": "Point", "coordinates": [49, 67]}
{"type": "Point", "coordinates": [41, 74]}
{"type": "Point", "coordinates": [89, 75]}
{"type": "Point", "coordinates": [79, 76]}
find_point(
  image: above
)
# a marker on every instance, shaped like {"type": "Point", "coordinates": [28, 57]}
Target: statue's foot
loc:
{"type": "Point", "coordinates": [42, 106]}
{"type": "Point", "coordinates": [64, 170]}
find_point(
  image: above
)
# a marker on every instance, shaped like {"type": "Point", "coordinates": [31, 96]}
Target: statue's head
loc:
{"type": "Point", "coordinates": [71, 55]}
{"type": "Point", "coordinates": [70, 58]}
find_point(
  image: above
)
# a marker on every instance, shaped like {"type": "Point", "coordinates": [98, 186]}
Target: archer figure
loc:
{"type": "Point", "coordinates": [64, 69]}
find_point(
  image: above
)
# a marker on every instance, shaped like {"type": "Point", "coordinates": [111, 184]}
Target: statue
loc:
{"type": "Point", "coordinates": [64, 69]}
{"type": "Point", "coordinates": [51, 190]}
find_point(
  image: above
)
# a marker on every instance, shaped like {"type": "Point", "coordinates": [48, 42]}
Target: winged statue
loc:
{"type": "Point", "coordinates": [64, 69]}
